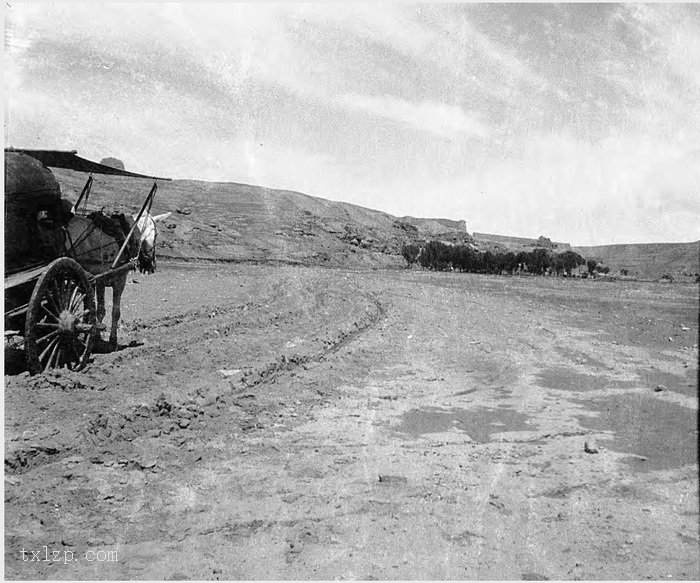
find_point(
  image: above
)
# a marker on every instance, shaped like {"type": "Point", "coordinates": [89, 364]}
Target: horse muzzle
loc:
{"type": "Point", "coordinates": [146, 263]}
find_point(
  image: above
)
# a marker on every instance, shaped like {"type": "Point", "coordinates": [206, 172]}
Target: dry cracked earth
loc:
{"type": "Point", "coordinates": [263, 422]}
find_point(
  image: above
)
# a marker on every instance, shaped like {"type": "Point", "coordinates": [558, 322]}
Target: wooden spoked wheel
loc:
{"type": "Point", "coordinates": [60, 324]}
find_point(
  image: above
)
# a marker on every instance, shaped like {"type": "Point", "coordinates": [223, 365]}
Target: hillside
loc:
{"type": "Point", "coordinates": [436, 226]}
{"type": "Point", "coordinates": [649, 260]}
{"type": "Point", "coordinates": [240, 222]}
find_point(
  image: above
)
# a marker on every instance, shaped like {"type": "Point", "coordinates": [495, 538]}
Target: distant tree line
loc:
{"type": "Point", "coordinates": [438, 256]}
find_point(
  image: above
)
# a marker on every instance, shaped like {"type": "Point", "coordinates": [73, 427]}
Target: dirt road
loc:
{"type": "Point", "coordinates": [293, 423]}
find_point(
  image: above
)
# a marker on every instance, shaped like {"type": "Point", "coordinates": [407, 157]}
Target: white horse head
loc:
{"type": "Point", "coordinates": [147, 241]}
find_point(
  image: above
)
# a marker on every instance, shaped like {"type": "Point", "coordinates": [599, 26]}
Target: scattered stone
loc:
{"type": "Point", "coordinates": [73, 460]}
{"type": "Point", "coordinates": [496, 503]}
{"type": "Point", "coordinates": [591, 446]}
{"type": "Point", "coordinates": [388, 479]}
{"type": "Point", "coordinates": [253, 379]}
{"type": "Point", "coordinates": [162, 407]}
{"type": "Point", "coordinates": [142, 410]}
{"type": "Point", "coordinates": [209, 399]}
{"type": "Point", "coordinates": [184, 423]}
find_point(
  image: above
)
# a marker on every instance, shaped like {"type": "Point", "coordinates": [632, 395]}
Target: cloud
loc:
{"type": "Point", "coordinates": [625, 188]}
{"type": "Point", "coordinates": [590, 193]}
{"type": "Point", "coordinates": [663, 70]}
{"type": "Point", "coordinates": [442, 45]}
{"type": "Point", "coordinates": [576, 122]}
{"type": "Point", "coordinates": [390, 25]}
{"type": "Point", "coordinates": [448, 121]}
{"type": "Point", "coordinates": [671, 33]}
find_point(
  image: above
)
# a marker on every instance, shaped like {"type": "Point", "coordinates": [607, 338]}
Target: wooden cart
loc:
{"type": "Point", "coordinates": [49, 297]}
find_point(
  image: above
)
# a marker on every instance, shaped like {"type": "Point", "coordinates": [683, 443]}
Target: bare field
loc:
{"type": "Point", "coordinates": [266, 422]}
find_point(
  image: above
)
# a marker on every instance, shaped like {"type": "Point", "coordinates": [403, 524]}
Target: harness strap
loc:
{"type": "Point", "coordinates": [83, 236]}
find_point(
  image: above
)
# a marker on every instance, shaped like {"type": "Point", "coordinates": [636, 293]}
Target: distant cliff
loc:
{"type": "Point", "coordinates": [436, 226]}
{"type": "Point", "coordinates": [509, 241]}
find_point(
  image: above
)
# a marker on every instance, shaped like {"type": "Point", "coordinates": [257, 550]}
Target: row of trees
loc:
{"type": "Point", "coordinates": [438, 256]}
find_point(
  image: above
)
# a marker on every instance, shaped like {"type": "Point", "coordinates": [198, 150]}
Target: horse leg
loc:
{"type": "Point", "coordinates": [101, 311]}
{"type": "Point", "coordinates": [118, 285]}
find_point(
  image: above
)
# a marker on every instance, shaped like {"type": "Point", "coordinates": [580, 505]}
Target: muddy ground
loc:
{"type": "Point", "coordinates": [264, 422]}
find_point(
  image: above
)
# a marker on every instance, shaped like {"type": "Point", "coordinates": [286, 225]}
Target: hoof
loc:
{"type": "Point", "coordinates": [591, 446]}
{"type": "Point", "coordinates": [102, 346]}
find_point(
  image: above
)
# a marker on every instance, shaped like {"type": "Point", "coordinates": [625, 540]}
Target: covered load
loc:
{"type": "Point", "coordinates": [34, 213]}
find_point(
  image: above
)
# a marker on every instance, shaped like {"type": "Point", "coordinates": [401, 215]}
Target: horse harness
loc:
{"type": "Point", "coordinates": [114, 225]}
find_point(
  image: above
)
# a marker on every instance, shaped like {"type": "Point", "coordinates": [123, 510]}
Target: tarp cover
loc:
{"type": "Point", "coordinates": [27, 177]}
{"type": "Point", "coordinates": [34, 212]}
{"type": "Point", "coordinates": [70, 160]}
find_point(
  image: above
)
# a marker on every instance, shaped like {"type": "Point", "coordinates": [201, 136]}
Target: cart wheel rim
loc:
{"type": "Point", "coordinates": [60, 322]}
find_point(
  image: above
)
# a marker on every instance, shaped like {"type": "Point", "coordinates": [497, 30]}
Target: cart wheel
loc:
{"type": "Point", "coordinates": [60, 326]}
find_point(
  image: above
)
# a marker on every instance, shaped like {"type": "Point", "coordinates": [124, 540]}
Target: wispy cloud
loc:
{"type": "Point", "coordinates": [389, 24]}
{"type": "Point", "coordinates": [660, 66]}
{"type": "Point", "coordinates": [611, 190]}
{"type": "Point", "coordinates": [581, 118]}
{"type": "Point", "coordinates": [440, 119]}
{"type": "Point", "coordinates": [672, 34]}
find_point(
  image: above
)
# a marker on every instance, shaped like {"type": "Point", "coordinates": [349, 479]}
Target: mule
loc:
{"type": "Point", "coordinates": [94, 242]}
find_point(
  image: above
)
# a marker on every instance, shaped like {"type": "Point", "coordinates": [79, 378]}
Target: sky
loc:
{"type": "Point", "coordinates": [580, 122]}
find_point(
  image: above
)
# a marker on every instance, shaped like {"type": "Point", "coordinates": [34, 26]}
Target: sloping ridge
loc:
{"type": "Point", "coordinates": [648, 260]}
{"type": "Point", "coordinates": [228, 221]}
